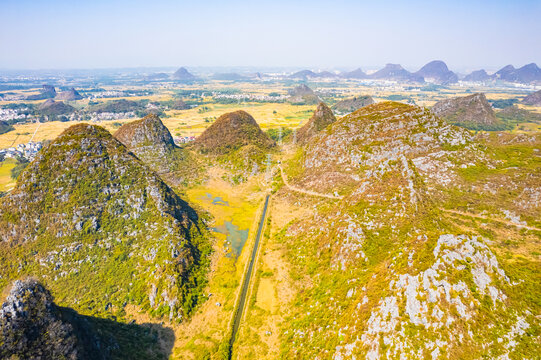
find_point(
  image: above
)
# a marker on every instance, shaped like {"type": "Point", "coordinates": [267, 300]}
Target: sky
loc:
{"type": "Point", "coordinates": [467, 35]}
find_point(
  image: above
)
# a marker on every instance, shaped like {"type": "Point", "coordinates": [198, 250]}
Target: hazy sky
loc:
{"type": "Point", "coordinates": [314, 34]}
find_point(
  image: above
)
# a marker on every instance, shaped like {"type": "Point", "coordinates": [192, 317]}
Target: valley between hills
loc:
{"type": "Point", "coordinates": [401, 222]}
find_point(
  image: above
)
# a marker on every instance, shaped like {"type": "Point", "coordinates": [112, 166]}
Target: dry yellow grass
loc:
{"type": "Point", "coordinates": [6, 182]}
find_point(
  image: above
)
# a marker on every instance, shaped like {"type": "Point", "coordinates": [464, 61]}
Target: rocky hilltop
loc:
{"type": "Point", "coordinates": [87, 208]}
{"type": "Point", "coordinates": [322, 118]}
{"type": "Point", "coordinates": [472, 111]}
{"type": "Point", "coordinates": [383, 271]}
{"type": "Point", "coordinates": [533, 99]}
{"type": "Point", "coordinates": [152, 143]}
{"type": "Point", "coordinates": [353, 104]}
{"type": "Point", "coordinates": [437, 72]}
{"type": "Point", "coordinates": [147, 133]}
{"type": "Point", "coordinates": [183, 74]}
{"type": "Point", "coordinates": [230, 132]}
{"type": "Point", "coordinates": [236, 142]}
{"type": "Point", "coordinates": [303, 94]}
{"type": "Point", "coordinates": [69, 95]}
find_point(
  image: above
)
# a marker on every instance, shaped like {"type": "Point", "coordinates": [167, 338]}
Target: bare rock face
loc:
{"type": "Point", "coordinates": [353, 104]}
{"type": "Point", "coordinates": [472, 111]}
{"type": "Point", "coordinates": [31, 326]}
{"type": "Point", "coordinates": [232, 131]}
{"type": "Point", "coordinates": [533, 99]}
{"type": "Point", "coordinates": [322, 118]}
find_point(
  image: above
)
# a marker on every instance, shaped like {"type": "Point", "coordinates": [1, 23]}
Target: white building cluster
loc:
{"type": "Point", "coordinates": [27, 151]}
{"type": "Point", "coordinates": [13, 114]}
{"type": "Point", "coordinates": [250, 97]}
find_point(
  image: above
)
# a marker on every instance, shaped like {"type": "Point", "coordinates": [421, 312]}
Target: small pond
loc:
{"type": "Point", "coordinates": [236, 238]}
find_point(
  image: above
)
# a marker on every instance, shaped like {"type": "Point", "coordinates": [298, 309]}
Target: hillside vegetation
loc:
{"type": "Point", "coordinates": [102, 231]}
{"type": "Point", "coordinates": [386, 271]}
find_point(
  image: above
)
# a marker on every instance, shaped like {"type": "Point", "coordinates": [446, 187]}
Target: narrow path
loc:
{"type": "Point", "coordinates": [246, 282]}
{"type": "Point", "coordinates": [307, 192]}
{"type": "Point", "coordinates": [489, 219]}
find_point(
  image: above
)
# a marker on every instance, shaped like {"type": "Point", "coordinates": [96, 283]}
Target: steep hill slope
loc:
{"type": "Point", "coordinates": [152, 142]}
{"type": "Point", "coordinates": [102, 230]}
{"type": "Point", "coordinates": [322, 118]}
{"type": "Point", "coordinates": [533, 99]}
{"type": "Point", "coordinates": [437, 72]}
{"type": "Point", "coordinates": [472, 111]}
{"type": "Point", "coordinates": [383, 272]}
{"type": "Point", "coordinates": [353, 104]}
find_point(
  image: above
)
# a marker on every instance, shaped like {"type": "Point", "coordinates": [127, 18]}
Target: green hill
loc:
{"type": "Point", "coordinates": [102, 230]}
{"type": "Point", "coordinates": [152, 142]}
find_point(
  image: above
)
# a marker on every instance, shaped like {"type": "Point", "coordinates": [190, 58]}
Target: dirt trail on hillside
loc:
{"type": "Point", "coordinates": [307, 192]}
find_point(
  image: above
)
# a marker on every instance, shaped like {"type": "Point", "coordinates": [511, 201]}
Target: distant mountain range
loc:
{"type": "Point", "coordinates": [435, 72]}
{"type": "Point", "coordinates": [528, 74]}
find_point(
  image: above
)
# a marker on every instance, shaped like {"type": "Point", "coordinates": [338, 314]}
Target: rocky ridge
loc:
{"type": "Point", "coordinates": [384, 273]}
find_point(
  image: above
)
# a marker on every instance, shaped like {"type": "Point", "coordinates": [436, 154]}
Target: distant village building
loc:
{"type": "Point", "coordinates": [27, 151]}
{"type": "Point", "coordinates": [184, 139]}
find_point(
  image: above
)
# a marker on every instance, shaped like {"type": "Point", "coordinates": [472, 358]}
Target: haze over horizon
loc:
{"type": "Point", "coordinates": [467, 35]}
